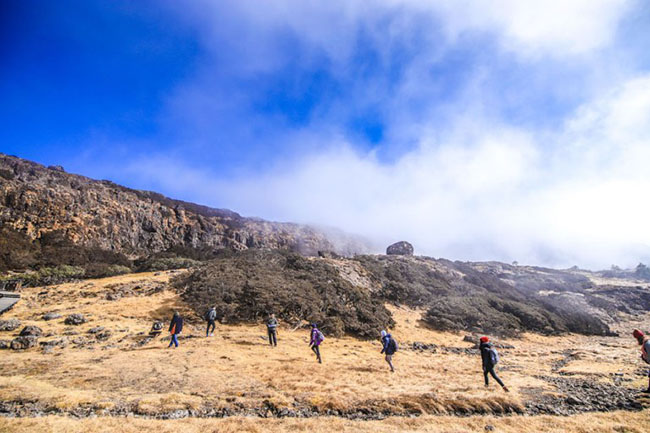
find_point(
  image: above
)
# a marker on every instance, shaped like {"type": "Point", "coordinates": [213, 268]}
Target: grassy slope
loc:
{"type": "Point", "coordinates": [236, 369]}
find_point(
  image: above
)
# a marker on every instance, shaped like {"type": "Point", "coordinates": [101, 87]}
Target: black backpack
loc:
{"type": "Point", "coordinates": [392, 345]}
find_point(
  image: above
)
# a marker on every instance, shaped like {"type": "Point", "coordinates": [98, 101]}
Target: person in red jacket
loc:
{"type": "Point", "coordinates": [644, 342]}
{"type": "Point", "coordinates": [175, 328]}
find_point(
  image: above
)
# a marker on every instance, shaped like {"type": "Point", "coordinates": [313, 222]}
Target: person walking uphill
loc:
{"type": "Point", "coordinates": [272, 330]}
{"type": "Point", "coordinates": [644, 342]}
{"type": "Point", "coordinates": [175, 328]}
{"type": "Point", "coordinates": [316, 339]}
{"type": "Point", "coordinates": [210, 317]}
{"type": "Point", "coordinates": [389, 348]}
{"type": "Point", "coordinates": [490, 358]}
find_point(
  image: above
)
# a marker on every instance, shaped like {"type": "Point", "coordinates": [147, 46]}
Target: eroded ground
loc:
{"type": "Point", "coordinates": [235, 382]}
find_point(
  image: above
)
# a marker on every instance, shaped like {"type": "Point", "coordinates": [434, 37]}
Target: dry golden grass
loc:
{"type": "Point", "coordinates": [619, 422]}
{"type": "Point", "coordinates": [237, 369]}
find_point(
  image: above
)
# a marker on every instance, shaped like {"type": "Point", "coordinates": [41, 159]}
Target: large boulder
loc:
{"type": "Point", "coordinates": [401, 248]}
{"type": "Point", "coordinates": [33, 331]}
{"type": "Point", "coordinates": [9, 325]}
{"type": "Point", "coordinates": [21, 343]}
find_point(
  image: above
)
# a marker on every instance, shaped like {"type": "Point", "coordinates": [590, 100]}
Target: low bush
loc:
{"type": "Point", "coordinates": [249, 285]}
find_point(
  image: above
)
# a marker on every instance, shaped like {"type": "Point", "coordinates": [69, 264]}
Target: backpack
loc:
{"type": "Point", "coordinates": [319, 336]}
{"type": "Point", "coordinates": [210, 315]}
{"type": "Point", "coordinates": [494, 356]}
{"type": "Point", "coordinates": [392, 345]}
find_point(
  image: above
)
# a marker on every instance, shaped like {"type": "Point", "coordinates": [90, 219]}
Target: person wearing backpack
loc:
{"type": "Point", "coordinates": [490, 358]}
{"type": "Point", "coordinates": [175, 328]}
{"type": "Point", "coordinates": [644, 342]}
{"type": "Point", "coordinates": [315, 341]}
{"type": "Point", "coordinates": [389, 348]}
{"type": "Point", "coordinates": [210, 317]}
{"type": "Point", "coordinates": [272, 330]}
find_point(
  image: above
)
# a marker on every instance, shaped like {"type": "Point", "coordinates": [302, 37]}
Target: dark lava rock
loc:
{"type": "Point", "coordinates": [33, 331]}
{"type": "Point", "coordinates": [103, 335]}
{"type": "Point", "coordinates": [401, 248]}
{"type": "Point", "coordinates": [5, 344]}
{"type": "Point", "coordinates": [9, 325]}
{"type": "Point", "coordinates": [21, 343]}
{"type": "Point", "coordinates": [424, 347]}
{"type": "Point", "coordinates": [328, 255]}
{"type": "Point", "coordinates": [96, 330]}
{"type": "Point", "coordinates": [75, 319]}
{"type": "Point", "coordinates": [51, 316]}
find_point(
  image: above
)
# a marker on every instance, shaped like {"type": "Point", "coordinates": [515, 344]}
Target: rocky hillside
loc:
{"type": "Point", "coordinates": [37, 201]}
{"type": "Point", "coordinates": [346, 295]}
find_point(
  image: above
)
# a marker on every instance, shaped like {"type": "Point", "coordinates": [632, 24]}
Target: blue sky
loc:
{"type": "Point", "coordinates": [474, 129]}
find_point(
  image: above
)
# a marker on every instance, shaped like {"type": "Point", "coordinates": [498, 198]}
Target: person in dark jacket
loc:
{"type": "Point", "coordinates": [388, 348]}
{"type": "Point", "coordinates": [175, 328]}
{"type": "Point", "coordinates": [272, 330]}
{"type": "Point", "coordinates": [644, 342]}
{"type": "Point", "coordinates": [488, 363]}
{"type": "Point", "coordinates": [315, 340]}
{"type": "Point", "coordinates": [210, 317]}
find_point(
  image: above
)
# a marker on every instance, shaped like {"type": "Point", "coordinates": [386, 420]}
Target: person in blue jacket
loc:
{"type": "Point", "coordinates": [175, 328]}
{"type": "Point", "coordinates": [389, 347]}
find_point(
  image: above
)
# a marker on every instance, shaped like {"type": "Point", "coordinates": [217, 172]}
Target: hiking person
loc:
{"type": "Point", "coordinates": [389, 348]}
{"type": "Point", "coordinates": [644, 342]}
{"type": "Point", "coordinates": [316, 339]}
{"type": "Point", "coordinates": [490, 358]}
{"type": "Point", "coordinates": [175, 328]}
{"type": "Point", "coordinates": [210, 317]}
{"type": "Point", "coordinates": [272, 330]}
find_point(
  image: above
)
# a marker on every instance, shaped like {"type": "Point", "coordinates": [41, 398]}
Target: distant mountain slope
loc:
{"type": "Point", "coordinates": [36, 201]}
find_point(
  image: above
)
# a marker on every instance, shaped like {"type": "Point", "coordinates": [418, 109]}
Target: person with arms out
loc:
{"type": "Point", "coordinates": [490, 358]}
{"type": "Point", "coordinates": [644, 342]}
{"type": "Point", "coordinates": [272, 330]}
{"type": "Point", "coordinates": [175, 328]}
{"type": "Point", "coordinates": [315, 341]}
{"type": "Point", "coordinates": [389, 348]}
{"type": "Point", "coordinates": [210, 317]}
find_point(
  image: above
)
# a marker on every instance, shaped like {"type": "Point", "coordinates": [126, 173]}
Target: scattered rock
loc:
{"type": "Point", "coordinates": [424, 347]}
{"type": "Point", "coordinates": [103, 335]}
{"type": "Point", "coordinates": [489, 427]}
{"type": "Point", "coordinates": [51, 316]}
{"type": "Point", "coordinates": [75, 319]}
{"type": "Point", "coordinates": [9, 325]}
{"type": "Point", "coordinates": [401, 248]}
{"type": "Point", "coordinates": [56, 168]}
{"type": "Point", "coordinates": [22, 343]}
{"type": "Point", "coordinates": [5, 344]}
{"type": "Point", "coordinates": [33, 331]}
{"type": "Point", "coordinates": [112, 296]}
{"type": "Point", "coordinates": [48, 346]}
{"type": "Point", "coordinates": [96, 330]}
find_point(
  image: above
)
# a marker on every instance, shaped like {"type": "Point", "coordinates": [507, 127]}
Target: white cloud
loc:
{"type": "Point", "coordinates": [489, 192]}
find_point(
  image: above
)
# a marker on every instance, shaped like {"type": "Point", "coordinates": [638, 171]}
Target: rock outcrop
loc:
{"type": "Point", "coordinates": [401, 248]}
{"type": "Point", "coordinates": [35, 201]}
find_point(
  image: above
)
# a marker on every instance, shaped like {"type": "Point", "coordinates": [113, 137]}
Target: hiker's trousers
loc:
{"type": "Point", "coordinates": [491, 371]}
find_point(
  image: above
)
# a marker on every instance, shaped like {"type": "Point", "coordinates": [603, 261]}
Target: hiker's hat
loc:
{"type": "Point", "coordinates": [484, 339]}
{"type": "Point", "coordinates": [637, 334]}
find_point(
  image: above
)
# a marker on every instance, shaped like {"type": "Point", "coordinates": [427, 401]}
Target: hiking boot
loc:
{"type": "Point", "coordinates": [505, 388]}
